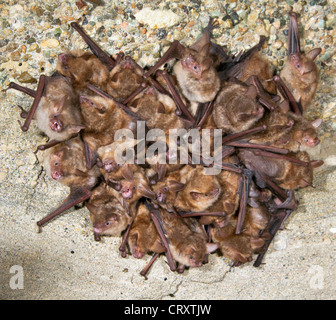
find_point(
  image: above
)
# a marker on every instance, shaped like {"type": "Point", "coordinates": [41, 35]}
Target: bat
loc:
{"type": "Point", "coordinates": [143, 236]}
{"type": "Point", "coordinates": [200, 191]}
{"type": "Point", "coordinates": [288, 130]}
{"type": "Point", "coordinates": [300, 72]}
{"type": "Point", "coordinates": [292, 171]}
{"type": "Point", "coordinates": [55, 108]}
{"type": "Point", "coordinates": [65, 163]}
{"type": "Point", "coordinates": [228, 201]}
{"type": "Point", "coordinates": [107, 215]}
{"type": "Point", "coordinates": [157, 109]}
{"type": "Point", "coordinates": [134, 185]}
{"type": "Point", "coordinates": [241, 247]}
{"type": "Point", "coordinates": [247, 64]}
{"type": "Point", "coordinates": [102, 118]}
{"type": "Point", "coordinates": [81, 68]}
{"type": "Point", "coordinates": [236, 109]}
{"type": "Point", "coordinates": [194, 69]}
{"type": "Point", "coordinates": [184, 238]}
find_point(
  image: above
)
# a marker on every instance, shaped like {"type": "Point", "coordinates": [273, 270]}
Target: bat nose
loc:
{"type": "Point", "coordinates": [97, 230]}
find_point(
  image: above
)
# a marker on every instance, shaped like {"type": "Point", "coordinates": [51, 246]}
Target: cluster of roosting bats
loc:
{"type": "Point", "coordinates": [177, 209]}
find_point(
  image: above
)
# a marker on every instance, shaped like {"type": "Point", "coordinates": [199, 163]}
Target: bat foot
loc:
{"type": "Point", "coordinates": [23, 127]}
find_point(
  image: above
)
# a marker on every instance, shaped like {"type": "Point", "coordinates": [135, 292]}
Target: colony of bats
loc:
{"type": "Point", "coordinates": [177, 209]}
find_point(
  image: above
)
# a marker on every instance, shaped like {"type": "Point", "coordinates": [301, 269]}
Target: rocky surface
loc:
{"type": "Point", "coordinates": [64, 262]}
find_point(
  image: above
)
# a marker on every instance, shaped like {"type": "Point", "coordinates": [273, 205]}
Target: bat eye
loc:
{"type": "Point", "coordinates": [306, 140]}
{"type": "Point", "coordinates": [107, 223]}
{"type": "Point", "coordinates": [298, 66]}
{"type": "Point", "coordinates": [195, 68]}
{"type": "Point", "coordinates": [56, 164]}
{"type": "Point", "coordinates": [206, 194]}
{"type": "Point", "coordinates": [165, 189]}
{"type": "Point", "coordinates": [133, 187]}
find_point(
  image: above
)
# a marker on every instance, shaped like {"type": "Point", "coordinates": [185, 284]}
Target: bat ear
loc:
{"type": "Point", "coordinates": [316, 163]}
{"type": "Point", "coordinates": [251, 92]}
{"type": "Point", "coordinates": [146, 192]}
{"type": "Point", "coordinates": [75, 128]}
{"type": "Point", "coordinates": [175, 186]}
{"type": "Point", "coordinates": [252, 203]}
{"type": "Point", "coordinates": [92, 208]}
{"type": "Point", "coordinates": [127, 173]}
{"type": "Point", "coordinates": [205, 49]}
{"type": "Point", "coordinates": [316, 123]}
{"type": "Point", "coordinates": [58, 106]}
{"type": "Point", "coordinates": [314, 53]}
{"type": "Point", "coordinates": [116, 185]}
{"type": "Point", "coordinates": [211, 247]}
{"type": "Point", "coordinates": [161, 170]}
{"type": "Point", "coordinates": [284, 106]}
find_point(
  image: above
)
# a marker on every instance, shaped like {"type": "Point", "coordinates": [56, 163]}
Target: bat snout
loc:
{"type": "Point", "coordinates": [56, 125]}
{"type": "Point", "coordinates": [57, 174]}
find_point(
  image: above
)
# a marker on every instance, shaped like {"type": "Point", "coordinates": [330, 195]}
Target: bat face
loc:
{"type": "Point", "coordinates": [107, 215]}
{"type": "Point", "coordinates": [108, 218]}
{"type": "Point", "coordinates": [308, 138]}
{"type": "Point", "coordinates": [302, 65]}
{"type": "Point", "coordinates": [56, 171]}
{"type": "Point", "coordinates": [128, 188]}
{"type": "Point", "coordinates": [65, 163]}
{"type": "Point", "coordinates": [197, 65]}
{"type": "Point", "coordinates": [166, 190]}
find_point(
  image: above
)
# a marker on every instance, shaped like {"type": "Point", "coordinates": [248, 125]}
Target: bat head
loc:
{"type": "Point", "coordinates": [56, 170]}
{"type": "Point", "coordinates": [304, 64]}
{"type": "Point", "coordinates": [196, 64]}
{"type": "Point", "coordinates": [164, 188]}
{"type": "Point", "coordinates": [107, 218]}
{"type": "Point", "coordinates": [307, 135]}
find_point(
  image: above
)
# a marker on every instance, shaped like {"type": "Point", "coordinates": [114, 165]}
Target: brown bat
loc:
{"type": "Point", "coordinates": [125, 78]}
{"type": "Point", "coordinates": [241, 247]}
{"type": "Point", "coordinates": [65, 163]}
{"type": "Point", "coordinates": [157, 109]}
{"type": "Point", "coordinates": [81, 68]}
{"type": "Point", "coordinates": [235, 108]}
{"type": "Point", "coordinates": [201, 191]}
{"type": "Point", "coordinates": [228, 201]}
{"type": "Point", "coordinates": [292, 171]}
{"type": "Point", "coordinates": [143, 236]}
{"type": "Point", "coordinates": [166, 189]}
{"type": "Point", "coordinates": [107, 215]}
{"type": "Point", "coordinates": [247, 64]}
{"type": "Point", "coordinates": [55, 108]}
{"type": "Point", "coordinates": [102, 118]}
{"type": "Point", "coordinates": [194, 69]}
{"type": "Point", "coordinates": [184, 239]}
{"type": "Point", "coordinates": [134, 185]}
{"type": "Point", "coordinates": [110, 166]}
{"type": "Point", "coordinates": [300, 72]}
{"type": "Point", "coordinates": [288, 130]}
